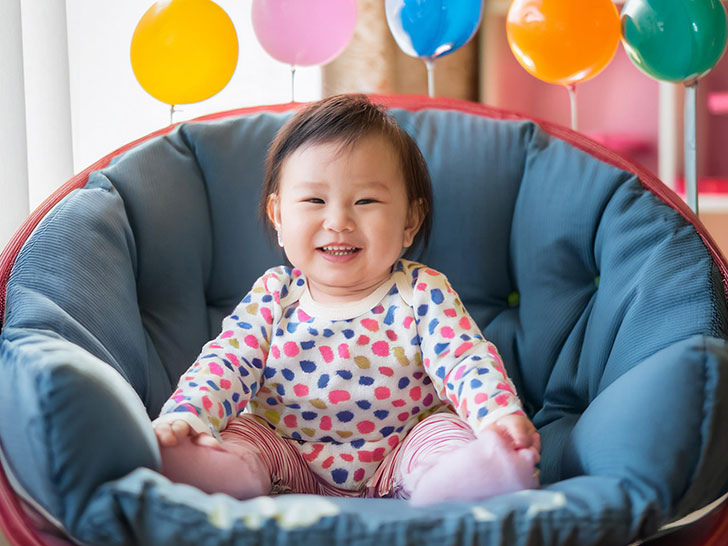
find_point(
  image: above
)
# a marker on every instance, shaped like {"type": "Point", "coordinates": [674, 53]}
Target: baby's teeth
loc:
{"type": "Point", "coordinates": [338, 252]}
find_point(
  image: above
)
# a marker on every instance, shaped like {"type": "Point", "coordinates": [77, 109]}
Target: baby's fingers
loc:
{"type": "Point", "coordinates": [533, 444]}
{"type": "Point", "coordinates": [521, 438]}
{"type": "Point", "coordinates": [172, 434]}
{"type": "Point", "coordinates": [519, 432]}
{"type": "Point", "coordinates": [165, 435]}
{"type": "Point", "coordinates": [536, 442]}
{"type": "Point", "coordinates": [181, 429]}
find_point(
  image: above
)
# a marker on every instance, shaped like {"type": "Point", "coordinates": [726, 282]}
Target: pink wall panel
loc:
{"type": "Point", "coordinates": [619, 106]}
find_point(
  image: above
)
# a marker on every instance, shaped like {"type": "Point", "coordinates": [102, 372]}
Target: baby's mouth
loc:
{"type": "Point", "coordinates": [339, 250]}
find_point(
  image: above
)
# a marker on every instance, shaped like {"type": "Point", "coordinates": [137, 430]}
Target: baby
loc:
{"type": "Point", "coordinates": [356, 372]}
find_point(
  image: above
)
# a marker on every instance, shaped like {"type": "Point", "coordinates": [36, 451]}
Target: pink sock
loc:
{"type": "Point", "coordinates": [483, 468]}
{"type": "Point", "coordinates": [216, 468]}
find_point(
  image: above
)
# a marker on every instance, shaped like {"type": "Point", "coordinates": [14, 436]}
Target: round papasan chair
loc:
{"type": "Point", "coordinates": [603, 292]}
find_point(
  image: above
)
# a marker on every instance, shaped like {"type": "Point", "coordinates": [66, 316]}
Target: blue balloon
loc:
{"type": "Point", "coordinates": [430, 29]}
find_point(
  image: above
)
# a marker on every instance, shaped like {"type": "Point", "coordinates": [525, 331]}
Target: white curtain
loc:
{"type": "Point", "coordinates": [13, 155]}
{"type": "Point", "coordinates": [35, 139]}
{"type": "Point", "coordinates": [47, 97]}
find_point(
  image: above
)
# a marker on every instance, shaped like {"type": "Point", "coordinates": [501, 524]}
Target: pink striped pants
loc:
{"type": "Point", "coordinates": [289, 471]}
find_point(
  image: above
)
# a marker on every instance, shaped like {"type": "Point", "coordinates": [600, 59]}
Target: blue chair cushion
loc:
{"type": "Point", "coordinates": [607, 307]}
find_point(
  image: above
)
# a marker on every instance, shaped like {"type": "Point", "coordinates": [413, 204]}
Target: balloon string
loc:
{"type": "Point", "coordinates": [430, 64]}
{"type": "Point", "coordinates": [171, 114]}
{"type": "Point", "coordinates": [691, 168]}
{"type": "Point", "coordinates": [574, 110]}
{"type": "Point", "coordinates": [293, 88]}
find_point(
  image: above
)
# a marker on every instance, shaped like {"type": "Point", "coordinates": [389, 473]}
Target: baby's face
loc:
{"type": "Point", "coordinates": [344, 216]}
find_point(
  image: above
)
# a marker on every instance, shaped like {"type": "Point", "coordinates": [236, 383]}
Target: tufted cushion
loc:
{"type": "Point", "coordinates": [607, 307]}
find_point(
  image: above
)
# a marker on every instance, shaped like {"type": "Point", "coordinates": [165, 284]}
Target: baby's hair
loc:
{"type": "Point", "coordinates": [347, 119]}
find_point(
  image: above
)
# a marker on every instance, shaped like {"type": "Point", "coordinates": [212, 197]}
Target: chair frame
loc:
{"type": "Point", "coordinates": [709, 530]}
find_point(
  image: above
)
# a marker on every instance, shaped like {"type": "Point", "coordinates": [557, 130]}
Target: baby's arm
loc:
{"type": "Point", "coordinates": [229, 369]}
{"type": "Point", "coordinates": [466, 369]}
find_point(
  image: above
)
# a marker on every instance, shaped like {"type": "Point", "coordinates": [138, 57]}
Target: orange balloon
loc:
{"type": "Point", "coordinates": [563, 41]}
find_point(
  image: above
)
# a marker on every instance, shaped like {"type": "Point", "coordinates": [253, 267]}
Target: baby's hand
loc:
{"type": "Point", "coordinates": [521, 431]}
{"type": "Point", "coordinates": [173, 433]}
{"type": "Point", "coordinates": [170, 434]}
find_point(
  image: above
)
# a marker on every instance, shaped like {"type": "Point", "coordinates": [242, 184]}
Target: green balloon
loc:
{"type": "Point", "coordinates": [674, 40]}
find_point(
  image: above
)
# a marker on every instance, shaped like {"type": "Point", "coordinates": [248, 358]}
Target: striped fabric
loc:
{"type": "Point", "coordinates": [431, 437]}
{"type": "Point", "coordinates": [291, 473]}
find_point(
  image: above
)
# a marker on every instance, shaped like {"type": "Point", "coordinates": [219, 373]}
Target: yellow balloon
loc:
{"type": "Point", "coordinates": [184, 51]}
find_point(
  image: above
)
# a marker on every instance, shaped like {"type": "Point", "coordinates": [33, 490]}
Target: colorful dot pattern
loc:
{"type": "Point", "coordinates": [345, 392]}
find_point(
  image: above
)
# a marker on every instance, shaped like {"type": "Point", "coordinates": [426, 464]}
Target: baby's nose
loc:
{"type": "Point", "coordinates": [339, 219]}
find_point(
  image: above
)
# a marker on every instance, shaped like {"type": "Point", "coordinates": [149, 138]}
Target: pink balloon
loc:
{"type": "Point", "coordinates": [304, 32]}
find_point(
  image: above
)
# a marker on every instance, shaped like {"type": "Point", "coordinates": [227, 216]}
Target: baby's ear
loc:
{"type": "Point", "coordinates": [415, 217]}
{"type": "Point", "coordinates": [273, 209]}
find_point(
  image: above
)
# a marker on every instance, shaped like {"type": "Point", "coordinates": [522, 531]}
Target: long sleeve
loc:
{"type": "Point", "coordinates": [466, 370]}
{"type": "Point", "coordinates": [229, 370]}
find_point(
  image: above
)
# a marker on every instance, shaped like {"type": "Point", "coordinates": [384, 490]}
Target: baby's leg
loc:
{"type": "Point", "coordinates": [288, 470]}
{"type": "Point", "coordinates": [442, 459]}
{"type": "Point", "coordinates": [231, 467]}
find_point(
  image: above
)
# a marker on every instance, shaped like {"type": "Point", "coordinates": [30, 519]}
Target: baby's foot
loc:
{"type": "Point", "coordinates": [483, 468]}
{"type": "Point", "coordinates": [216, 468]}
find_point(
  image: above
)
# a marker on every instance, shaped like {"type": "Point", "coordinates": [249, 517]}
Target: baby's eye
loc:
{"type": "Point", "coordinates": [365, 201]}
{"type": "Point", "coordinates": [314, 200]}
